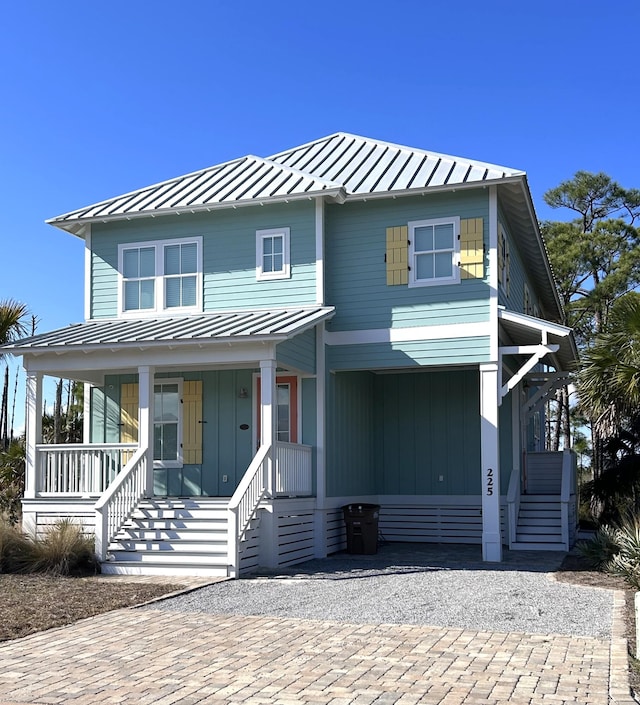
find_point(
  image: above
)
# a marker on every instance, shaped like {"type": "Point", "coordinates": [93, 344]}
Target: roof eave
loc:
{"type": "Point", "coordinates": [77, 226]}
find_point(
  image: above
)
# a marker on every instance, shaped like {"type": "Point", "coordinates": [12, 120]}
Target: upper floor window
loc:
{"type": "Point", "coordinates": [272, 254]}
{"type": "Point", "coordinates": [161, 276]}
{"type": "Point", "coordinates": [434, 252]}
{"type": "Point", "coordinates": [503, 260]}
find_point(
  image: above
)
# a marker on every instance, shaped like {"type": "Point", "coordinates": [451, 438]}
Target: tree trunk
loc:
{"type": "Point", "coordinates": [57, 414]}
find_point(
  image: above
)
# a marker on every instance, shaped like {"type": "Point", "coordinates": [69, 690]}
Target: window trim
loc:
{"type": "Point", "coordinates": [455, 253]}
{"type": "Point", "coordinates": [159, 307]}
{"type": "Point", "coordinates": [179, 462]}
{"type": "Point", "coordinates": [261, 236]}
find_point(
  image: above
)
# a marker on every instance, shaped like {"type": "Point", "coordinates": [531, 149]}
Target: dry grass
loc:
{"type": "Point", "coordinates": [33, 603]}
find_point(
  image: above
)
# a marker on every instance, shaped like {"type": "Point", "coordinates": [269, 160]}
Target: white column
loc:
{"type": "Point", "coordinates": [33, 432]}
{"type": "Point", "coordinates": [490, 463]}
{"type": "Point", "coordinates": [268, 416]}
{"type": "Point", "coordinates": [320, 250]}
{"type": "Point", "coordinates": [145, 420]}
{"type": "Point", "coordinates": [320, 521]}
{"type": "Point", "coordinates": [516, 433]}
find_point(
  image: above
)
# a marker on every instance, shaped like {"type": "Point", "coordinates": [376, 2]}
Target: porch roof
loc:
{"type": "Point", "coordinates": [528, 330]}
{"type": "Point", "coordinates": [260, 325]}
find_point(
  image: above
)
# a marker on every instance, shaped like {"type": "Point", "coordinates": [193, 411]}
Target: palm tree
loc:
{"type": "Point", "coordinates": [12, 326]}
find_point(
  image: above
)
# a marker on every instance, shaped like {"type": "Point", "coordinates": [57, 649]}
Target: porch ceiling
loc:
{"type": "Point", "coordinates": [215, 328]}
{"type": "Point", "coordinates": [528, 330]}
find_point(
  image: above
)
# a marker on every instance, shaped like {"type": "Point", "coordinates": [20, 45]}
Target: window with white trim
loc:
{"type": "Point", "coordinates": [167, 423]}
{"type": "Point", "coordinates": [163, 276]}
{"type": "Point", "coordinates": [272, 254]}
{"type": "Point", "coordinates": [434, 251]}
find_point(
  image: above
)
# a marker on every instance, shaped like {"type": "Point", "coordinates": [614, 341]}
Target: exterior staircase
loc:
{"type": "Point", "coordinates": [172, 537]}
{"type": "Point", "coordinates": [539, 526]}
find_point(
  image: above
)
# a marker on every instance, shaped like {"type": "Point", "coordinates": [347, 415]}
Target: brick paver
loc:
{"type": "Point", "coordinates": [166, 658]}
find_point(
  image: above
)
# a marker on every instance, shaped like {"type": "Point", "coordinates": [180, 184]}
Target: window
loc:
{"type": "Point", "coordinates": [161, 276]}
{"type": "Point", "coordinates": [503, 260]}
{"type": "Point", "coordinates": [167, 424]}
{"type": "Point", "coordinates": [434, 252]}
{"type": "Point", "coordinates": [272, 254]}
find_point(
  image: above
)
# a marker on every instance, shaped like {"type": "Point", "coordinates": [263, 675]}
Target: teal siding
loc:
{"type": "Point", "coordinates": [409, 429]}
{"type": "Point", "coordinates": [105, 409]}
{"type": "Point", "coordinates": [448, 351]}
{"type": "Point", "coordinates": [429, 428]}
{"type": "Point", "coordinates": [356, 270]}
{"type": "Point", "coordinates": [299, 352]}
{"type": "Point", "coordinates": [517, 277]}
{"type": "Point", "coordinates": [309, 420]}
{"type": "Point", "coordinates": [229, 255]}
{"type": "Point", "coordinates": [350, 430]}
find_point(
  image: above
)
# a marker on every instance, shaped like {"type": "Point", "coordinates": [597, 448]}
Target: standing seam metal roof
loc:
{"type": "Point", "coordinates": [225, 326]}
{"type": "Point", "coordinates": [340, 165]}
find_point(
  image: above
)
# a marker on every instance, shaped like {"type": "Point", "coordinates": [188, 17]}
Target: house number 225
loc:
{"type": "Point", "coordinates": [490, 482]}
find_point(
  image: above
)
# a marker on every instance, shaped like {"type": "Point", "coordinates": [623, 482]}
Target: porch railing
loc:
{"type": "Point", "coordinates": [244, 504]}
{"type": "Point", "coordinates": [80, 468]}
{"type": "Point", "coordinates": [293, 470]}
{"type": "Point", "coordinates": [513, 504]}
{"type": "Point", "coordinates": [120, 499]}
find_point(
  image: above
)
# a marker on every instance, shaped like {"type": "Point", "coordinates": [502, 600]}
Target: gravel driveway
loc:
{"type": "Point", "coordinates": [423, 584]}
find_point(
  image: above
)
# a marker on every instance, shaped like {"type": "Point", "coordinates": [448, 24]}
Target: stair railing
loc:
{"type": "Point", "coordinates": [122, 496]}
{"type": "Point", "coordinates": [567, 490]}
{"type": "Point", "coordinates": [244, 504]}
{"type": "Point", "coordinates": [513, 504]}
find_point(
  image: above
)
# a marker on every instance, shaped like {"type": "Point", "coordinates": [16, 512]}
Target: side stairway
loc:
{"type": "Point", "coordinates": [539, 525]}
{"type": "Point", "coordinates": [172, 537]}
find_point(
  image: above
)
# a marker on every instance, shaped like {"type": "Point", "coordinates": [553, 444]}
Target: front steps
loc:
{"type": "Point", "coordinates": [539, 524]}
{"type": "Point", "coordinates": [172, 537]}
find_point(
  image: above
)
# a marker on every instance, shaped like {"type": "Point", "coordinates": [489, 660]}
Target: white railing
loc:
{"type": "Point", "coordinates": [80, 468]}
{"type": "Point", "coordinates": [513, 504]}
{"type": "Point", "coordinates": [120, 499]}
{"type": "Point", "coordinates": [293, 470]}
{"type": "Point", "coordinates": [567, 493]}
{"type": "Point", "coordinates": [244, 504]}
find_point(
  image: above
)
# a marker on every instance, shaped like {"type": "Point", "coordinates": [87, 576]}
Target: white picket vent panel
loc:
{"type": "Point", "coordinates": [295, 525]}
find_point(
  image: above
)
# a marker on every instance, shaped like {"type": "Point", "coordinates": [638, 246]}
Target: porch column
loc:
{"type": "Point", "coordinates": [33, 432]}
{"type": "Point", "coordinates": [490, 461]}
{"type": "Point", "coordinates": [267, 417]}
{"type": "Point", "coordinates": [145, 420]}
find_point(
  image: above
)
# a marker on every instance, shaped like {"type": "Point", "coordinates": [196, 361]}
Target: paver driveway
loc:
{"type": "Point", "coordinates": [168, 657]}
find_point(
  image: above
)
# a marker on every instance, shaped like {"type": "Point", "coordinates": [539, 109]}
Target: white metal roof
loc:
{"type": "Point", "coordinates": [338, 166]}
{"type": "Point", "coordinates": [218, 327]}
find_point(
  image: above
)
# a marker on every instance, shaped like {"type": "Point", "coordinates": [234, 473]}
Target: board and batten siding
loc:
{"type": "Point", "coordinates": [229, 255]}
{"type": "Point", "coordinates": [398, 434]}
{"type": "Point", "coordinates": [356, 277]}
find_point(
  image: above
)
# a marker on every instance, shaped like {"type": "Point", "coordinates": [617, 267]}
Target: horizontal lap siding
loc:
{"type": "Point", "coordinates": [299, 352]}
{"type": "Point", "coordinates": [445, 351]}
{"type": "Point", "coordinates": [356, 269]}
{"type": "Point", "coordinates": [229, 255]}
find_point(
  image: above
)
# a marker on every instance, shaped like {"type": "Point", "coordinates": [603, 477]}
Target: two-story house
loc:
{"type": "Point", "coordinates": [267, 340]}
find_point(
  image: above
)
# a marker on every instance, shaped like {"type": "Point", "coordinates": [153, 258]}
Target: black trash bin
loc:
{"type": "Point", "coordinates": [362, 527]}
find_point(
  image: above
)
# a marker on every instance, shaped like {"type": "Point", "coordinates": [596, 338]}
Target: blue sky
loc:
{"type": "Point", "coordinates": [99, 98]}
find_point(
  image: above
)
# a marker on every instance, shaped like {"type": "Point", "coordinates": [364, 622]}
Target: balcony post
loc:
{"type": "Point", "coordinates": [34, 431]}
{"type": "Point", "coordinates": [268, 418]}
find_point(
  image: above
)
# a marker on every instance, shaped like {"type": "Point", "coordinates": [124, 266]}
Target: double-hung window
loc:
{"type": "Point", "coordinates": [434, 251]}
{"type": "Point", "coordinates": [161, 277]}
{"type": "Point", "coordinates": [272, 254]}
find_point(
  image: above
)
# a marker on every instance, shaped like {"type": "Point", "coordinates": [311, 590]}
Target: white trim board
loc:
{"type": "Point", "coordinates": [403, 335]}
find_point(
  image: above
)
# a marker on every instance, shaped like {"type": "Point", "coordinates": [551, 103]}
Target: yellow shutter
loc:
{"type": "Point", "coordinates": [129, 413]}
{"type": "Point", "coordinates": [472, 249]}
{"type": "Point", "coordinates": [192, 422]}
{"type": "Point", "coordinates": [397, 255]}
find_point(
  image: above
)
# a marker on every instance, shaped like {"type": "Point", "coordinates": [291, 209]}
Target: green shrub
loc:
{"type": "Point", "coordinates": [616, 550]}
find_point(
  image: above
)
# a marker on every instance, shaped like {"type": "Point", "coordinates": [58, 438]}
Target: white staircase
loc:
{"type": "Point", "coordinates": [539, 526]}
{"type": "Point", "coordinates": [172, 537]}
